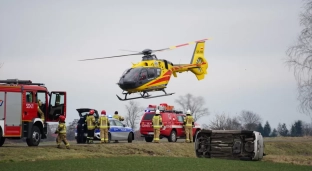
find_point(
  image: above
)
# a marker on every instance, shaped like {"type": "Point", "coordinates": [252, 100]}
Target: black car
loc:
{"type": "Point", "coordinates": [82, 126]}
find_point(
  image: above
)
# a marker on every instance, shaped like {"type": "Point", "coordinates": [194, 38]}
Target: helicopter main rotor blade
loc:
{"type": "Point", "coordinates": [129, 50]}
{"type": "Point", "coordinates": [111, 57]}
{"type": "Point", "coordinates": [177, 46]}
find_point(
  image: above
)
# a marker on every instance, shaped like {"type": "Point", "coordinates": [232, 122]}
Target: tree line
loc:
{"type": "Point", "coordinates": [248, 120]}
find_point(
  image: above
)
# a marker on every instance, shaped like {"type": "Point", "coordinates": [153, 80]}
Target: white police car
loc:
{"type": "Point", "coordinates": [117, 132]}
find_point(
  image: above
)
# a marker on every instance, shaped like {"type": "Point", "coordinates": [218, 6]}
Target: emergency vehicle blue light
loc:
{"type": "Point", "coordinates": [109, 116]}
{"type": "Point", "coordinates": [147, 110]}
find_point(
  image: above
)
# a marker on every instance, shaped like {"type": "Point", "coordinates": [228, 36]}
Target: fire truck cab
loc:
{"type": "Point", "coordinates": [19, 117]}
{"type": "Point", "coordinates": [172, 120]}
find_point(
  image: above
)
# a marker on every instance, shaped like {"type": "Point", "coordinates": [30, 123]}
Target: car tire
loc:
{"type": "Point", "coordinates": [35, 137]}
{"type": "Point", "coordinates": [109, 137]}
{"type": "Point", "coordinates": [173, 136]}
{"type": "Point", "coordinates": [2, 140]}
{"type": "Point", "coordinates": [149, 139]}
{"type": "Point", "coordinates": [195, 135]}
{"type": "Point", "coordinates": [130, 137]}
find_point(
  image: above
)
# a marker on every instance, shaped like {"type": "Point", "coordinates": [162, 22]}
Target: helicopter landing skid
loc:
{"type": "Point", "coordinates": [150, 97]}
{"type": "Point", "coordinates": [140, 97]}
{"type": "Point", "coordinates": [145, 95]}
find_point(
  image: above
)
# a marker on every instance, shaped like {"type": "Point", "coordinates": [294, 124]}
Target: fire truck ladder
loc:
{"type": "Point", "coordinates": [17, 81]}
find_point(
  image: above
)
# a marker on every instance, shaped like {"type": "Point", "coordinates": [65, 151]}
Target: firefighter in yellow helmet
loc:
{"type": "Point", "coordinates": [157, 124]}
{"type": "Point", "coordinates": [61, 131]}
{"type": "Point", "coordinates": [104, 127]}
{"type": "Point", "coordinates": [188, 126]}
{"type": "Point", "coordinates": [116, 116]}
{"type": "Point", "coordinates": [41, 114]}
{"type": "Point", "coordinates": [90, 126]}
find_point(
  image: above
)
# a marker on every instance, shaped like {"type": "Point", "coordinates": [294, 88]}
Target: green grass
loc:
{"type": "Point", "coordinates": [137, 163]}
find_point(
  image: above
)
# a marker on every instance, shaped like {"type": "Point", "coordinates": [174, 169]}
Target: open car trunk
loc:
{"type": "Point", "coordinates": [229, 144]}
{"type": "Point", "coordinates": [84, 111]}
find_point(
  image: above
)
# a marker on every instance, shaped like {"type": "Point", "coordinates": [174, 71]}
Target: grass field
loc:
{"type": "Point", "coordinates": [139, 163]}
{"type": "Point", "coordinates": [282, 154]}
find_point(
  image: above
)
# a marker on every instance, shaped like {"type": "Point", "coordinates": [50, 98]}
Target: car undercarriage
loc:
{"type": "Point", "coordinates": [229, 144]}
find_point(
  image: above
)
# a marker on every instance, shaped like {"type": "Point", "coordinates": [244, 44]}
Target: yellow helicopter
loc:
{"type": "Point", "coordinates": [152, 74]}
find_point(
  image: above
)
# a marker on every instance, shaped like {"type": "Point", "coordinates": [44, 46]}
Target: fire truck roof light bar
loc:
{"type": "Point", "coordinates": [17, 81]}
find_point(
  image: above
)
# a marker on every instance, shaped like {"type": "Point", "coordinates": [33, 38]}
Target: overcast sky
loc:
{"type": "Point", "coordinates": [42, 41]}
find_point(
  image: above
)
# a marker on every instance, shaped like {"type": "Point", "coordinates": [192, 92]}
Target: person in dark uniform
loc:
{"type": "Point", "coordinates": [81, 129]}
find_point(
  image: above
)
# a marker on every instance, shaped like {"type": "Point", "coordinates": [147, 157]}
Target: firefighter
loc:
{"type": "Point", "coordinates": [157, 124]}
{"type": "Point", "coordinates": [61, 133]}
{"type": "Point", "coordinates": [104, 127]}
{"type": "Point", "coordinates": [90, 126]}
{"type": "Point", "coordinates": [116, 116]}
{"type": "Point", "coordinates": [188, 126]}
{"type": "Point", "coordinates": [41, 114]}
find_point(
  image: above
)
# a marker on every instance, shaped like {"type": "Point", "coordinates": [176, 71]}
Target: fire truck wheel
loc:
{"type": "Point", "coordinates": [173, 136]}
{"type": "Point", "coordinates": [2, 139]}
{"type": "Point", "coordinates": [35, 137]}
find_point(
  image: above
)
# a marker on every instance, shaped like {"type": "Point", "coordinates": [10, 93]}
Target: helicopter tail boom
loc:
{"type": "Point", "coordinates": [198, 65]}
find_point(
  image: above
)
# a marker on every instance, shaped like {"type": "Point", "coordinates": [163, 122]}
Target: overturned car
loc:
{"type": "Point", "coordinates": [229, 144]}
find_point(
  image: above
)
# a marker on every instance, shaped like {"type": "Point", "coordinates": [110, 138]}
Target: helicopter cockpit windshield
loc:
{"type": "Point", "coordinates": [131, 74]}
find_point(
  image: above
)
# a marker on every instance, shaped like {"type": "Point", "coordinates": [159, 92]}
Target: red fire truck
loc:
{"type": "Point", "coordinates": [172, 121]}
{"type": "Point", "coordinates": [19, 117]}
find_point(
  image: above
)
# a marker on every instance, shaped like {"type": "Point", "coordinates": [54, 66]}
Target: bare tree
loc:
{"type": "Point", "coordinates": [134, 111]}
{"type": "Point", "coordinates": [249, 120]}
{"type": "Point", "coordinates": [300, 58]}
{"type": "Point", "coordinates": [195, 104]}
{"type": "Point", "coordinates": [205, 126]}
{"type": "Point", "coordinates": [224, 122]}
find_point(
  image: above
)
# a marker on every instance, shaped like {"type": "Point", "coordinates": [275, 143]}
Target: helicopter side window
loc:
{"type": "Point", "coordinates": [158, 72]}
{"type": "Point", "coordinates": [151, 73]}
{"type": "Point", "coordinates": [143, 75]}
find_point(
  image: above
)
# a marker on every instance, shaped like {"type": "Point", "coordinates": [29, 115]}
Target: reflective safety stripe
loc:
{"type": "Point", "coordinates": [103, 122]}
{"type": "Point", "coordinates": [189, 120]}
{"type": "Point", "coordinates": [156, 121]}
{"type": "Point", "coordinates": [90, 121]}
{"type": "Point", "coordinates": [62, 128]}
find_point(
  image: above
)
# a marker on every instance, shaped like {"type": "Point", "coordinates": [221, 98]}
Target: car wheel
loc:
{"type": "Point", "coordinates": [195, 135]}
{"type": "Point", "coordinates": [149, 139]}
{"type": "Point", "coordinates": [109, 137]}
{"type": "Point", "coordinates": [173, 136]}
{"type": "Point", "coordinates": [35, 137]}
{"type": "Point", "coordinates": [130, 137]}
{"type": "Point", "coordinates": [2, 140]}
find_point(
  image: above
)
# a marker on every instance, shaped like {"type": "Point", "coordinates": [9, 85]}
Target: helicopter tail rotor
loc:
{"type": "Point", "coordinates": [198, 64]}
